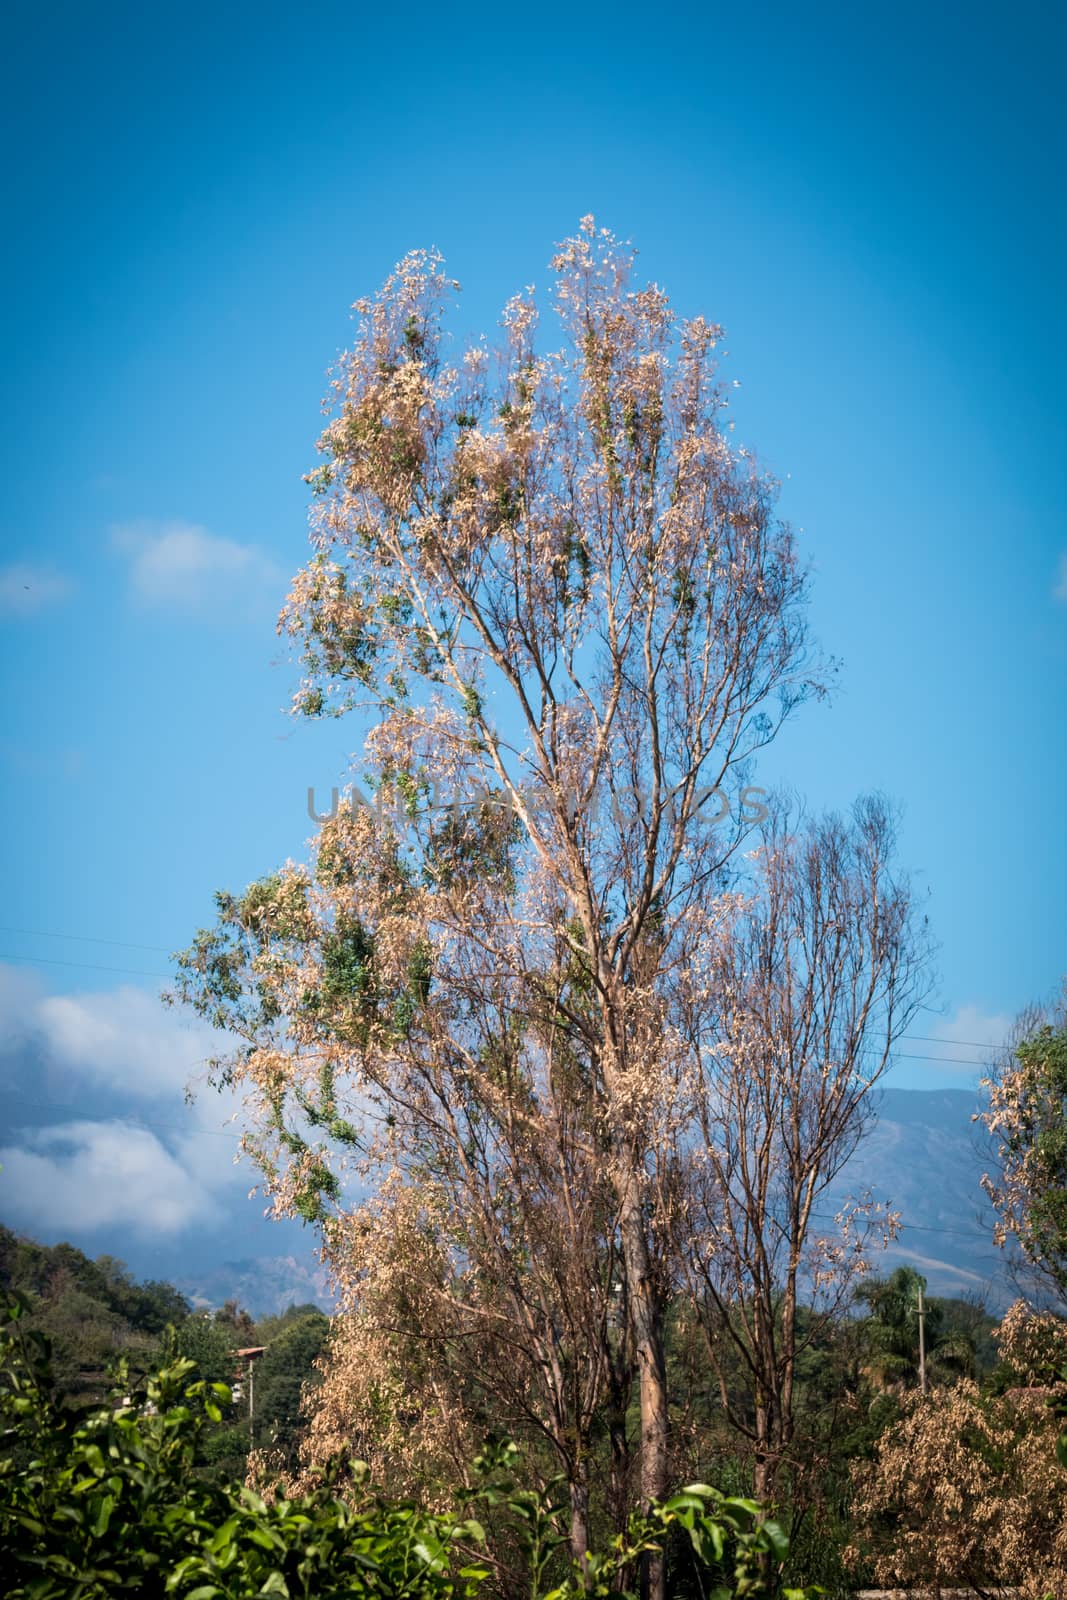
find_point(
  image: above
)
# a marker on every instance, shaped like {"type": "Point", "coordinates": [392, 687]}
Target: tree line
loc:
{"type": "Point", "coordinates": [961, 1483]}
{"type": "Point", "coordinates": [94, 1314]}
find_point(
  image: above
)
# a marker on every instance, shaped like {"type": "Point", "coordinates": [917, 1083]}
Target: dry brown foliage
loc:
{"type": "Point", "coordinates": [966, 1488]}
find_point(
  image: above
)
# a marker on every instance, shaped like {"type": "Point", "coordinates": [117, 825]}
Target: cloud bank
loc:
{"type": "Point", "coordinates": [99, 1174]}
{"type": "Point", "coordinates": [98, 1130]}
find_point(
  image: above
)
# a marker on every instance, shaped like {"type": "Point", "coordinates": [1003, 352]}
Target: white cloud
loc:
{"type": "Point", "coordinates": [971, 1035]}
{"type": "Point", "coordinates": [181, 565]}
{"type": "Point", "coordinates": [95, 1174]}
{"type": "Point", "coordinates": [125, 1039]}
{"type": "Point", "coordinates": [26, 589]}
{"type": "Point", "coordinates": [1060, 591]}
{"type": "Point", "coordinates": [161, 1169]}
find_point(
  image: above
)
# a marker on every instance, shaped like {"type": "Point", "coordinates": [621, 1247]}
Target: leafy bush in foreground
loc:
{"type": "Point", "coordinates": [103, 1501]}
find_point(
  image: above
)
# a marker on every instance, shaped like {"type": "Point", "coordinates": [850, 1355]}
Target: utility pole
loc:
{"type": "Point", "coordinates": [922, 1345]}
{"type": "Point", "coordinates": [250, 1356]}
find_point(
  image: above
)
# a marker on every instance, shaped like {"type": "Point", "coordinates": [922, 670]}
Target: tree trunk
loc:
{"type": "Point", "coordinates": [579, 1491]}
{"type": "Point", "coordinates": [620, 1466]}
{"type": "Point", "coordinates": [652, 1371]}
{"type": "Point", "coordinates": [763, 1473]}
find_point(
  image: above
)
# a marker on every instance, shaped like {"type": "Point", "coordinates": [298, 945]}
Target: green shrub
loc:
{"type": "Point", "coordinates": [103, 1501]}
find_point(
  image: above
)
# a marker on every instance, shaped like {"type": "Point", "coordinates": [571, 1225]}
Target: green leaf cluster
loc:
{"type": "Point", "coordinates": [103, 1501]}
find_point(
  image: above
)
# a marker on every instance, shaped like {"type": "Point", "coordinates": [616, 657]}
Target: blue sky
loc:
{"type": "Point", "coordinates": [870, 201]}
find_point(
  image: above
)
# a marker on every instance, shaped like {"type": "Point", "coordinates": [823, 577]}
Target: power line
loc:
{"type": "Point", "coordinates": [958, 1061]}
{"type": "Point", "coordinates": [84, 966]}
{"type": "Point", "coordinates": [85, 938]}
{"type": "Point", "coordinates": [141, 972]}
{"type": "Point", "coordinates": [921, 1227]}
{"type": "Point", "coordinates": [952, 1233]}
{"type": "Point", "coordinates": [979, 1044]}
{"type": "Point", "coordinates": [128, 944]}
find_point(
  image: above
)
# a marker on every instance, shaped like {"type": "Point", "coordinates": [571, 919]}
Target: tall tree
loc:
{"type": "Point", "coordinates": [791, 1013]}
{"type": "Point", "coordinates": [567, 602]}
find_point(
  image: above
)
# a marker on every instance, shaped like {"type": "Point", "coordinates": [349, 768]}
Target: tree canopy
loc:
{"type": "Point", "coordinates": [500, 996]}
{"type": "Point", "coordinates": [1027, 1113]}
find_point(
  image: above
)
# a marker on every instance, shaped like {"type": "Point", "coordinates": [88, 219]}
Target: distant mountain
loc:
{"type": "Point", "coordinates": [263, 1285]}
{"type": "Point", "coordinates": [926, 1157]}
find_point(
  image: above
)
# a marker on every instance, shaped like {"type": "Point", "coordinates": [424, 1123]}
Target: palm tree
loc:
{"type": "Point", "coordinates": [889, 1334]}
